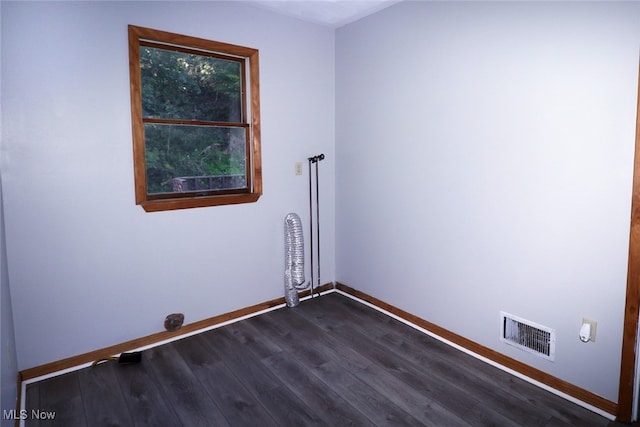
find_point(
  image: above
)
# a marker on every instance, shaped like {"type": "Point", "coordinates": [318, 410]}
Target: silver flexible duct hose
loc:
{"type": "Point", "coordinates": [293, 259]}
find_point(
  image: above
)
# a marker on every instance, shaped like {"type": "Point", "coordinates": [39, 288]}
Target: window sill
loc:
{"type": "Point", "coordinates": [198, 202]}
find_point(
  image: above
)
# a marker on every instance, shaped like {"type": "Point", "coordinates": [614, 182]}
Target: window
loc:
{"type": "Point", "coordinates": [195, 111]}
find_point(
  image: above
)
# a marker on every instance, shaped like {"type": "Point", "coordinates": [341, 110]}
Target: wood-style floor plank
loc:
{"type": "Point", "coordinates": [376, 406]}
{"type": "Point", "coordinates": [322, 399]}
{"type": "Point", "coordinates": [438, 392]}
{"type": "Point", "coordinates": [335, 372]}
{"type": "Point", "coordinates": [103, 401]}
{"type": "Point", "coordinates": [332, 361]}
{"type": "Point", "coordinates": [180, 386]}
{"type": "Point", "coordinates": [394, 390]}
{"type": "Point", "coordinates": [282, 404]}
{"type": "Point", "coordinates": [146, 403]}
{"type": "Point", "coordinates": [237, 404]}
{"type": "Point", "coordinates": [61, 397]}
{"type": "Point", "coordinates": [488, 394]}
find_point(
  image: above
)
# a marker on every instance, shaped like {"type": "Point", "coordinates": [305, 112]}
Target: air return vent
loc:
{"type": "Point", "coordinates": [526, 335]}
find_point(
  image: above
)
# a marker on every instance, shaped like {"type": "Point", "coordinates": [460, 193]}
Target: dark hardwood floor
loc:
{"type": "Point", "coordinates": [331, 361]}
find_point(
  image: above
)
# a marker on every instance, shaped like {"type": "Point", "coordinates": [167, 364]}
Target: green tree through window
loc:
{"type": "Point", "coordinates": [195, 111]}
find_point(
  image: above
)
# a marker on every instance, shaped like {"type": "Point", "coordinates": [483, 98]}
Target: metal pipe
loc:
{"type": "Point", "coordinates": [320, 157]}
{"type": "Point", "coordinates": [311, 224]}
{"type": "Point", "coordinates": [314, 159]}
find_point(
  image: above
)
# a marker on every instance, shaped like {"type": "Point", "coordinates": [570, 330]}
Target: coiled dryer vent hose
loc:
{"type": "Point", "coordinates": [293, 259]}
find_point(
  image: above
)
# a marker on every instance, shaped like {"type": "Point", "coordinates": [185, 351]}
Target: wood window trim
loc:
{"type": "Point", "coordinates": [629, 361]}
{"type": "Point", "coordinates": [254, 161]}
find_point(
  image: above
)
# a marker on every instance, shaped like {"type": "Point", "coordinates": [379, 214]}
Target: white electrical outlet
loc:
{"type": "Point", "coordinates": [593, 324]}
{"type": "Point", "coordinates": [298, 168]}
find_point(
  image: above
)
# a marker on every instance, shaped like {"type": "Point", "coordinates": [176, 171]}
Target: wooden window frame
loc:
{"type": "Point", "coordinates": [152, 202]}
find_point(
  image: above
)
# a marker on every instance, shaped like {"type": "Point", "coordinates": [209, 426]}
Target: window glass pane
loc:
{"type": "Point", "coordinates": [186, 86]}
{"type": "Point", "coordinates": [182, 158]}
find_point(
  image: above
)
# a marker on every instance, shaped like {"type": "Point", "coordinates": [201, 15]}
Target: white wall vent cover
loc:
{"type": "Point", "coordinates": [528, 336]}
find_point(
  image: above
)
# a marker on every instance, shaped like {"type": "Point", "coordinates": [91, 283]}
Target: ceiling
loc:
{"type": "Point", "coordinates": [333, 13]}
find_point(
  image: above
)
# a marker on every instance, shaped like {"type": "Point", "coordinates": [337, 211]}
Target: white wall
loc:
{"type": "Point", "coordinates": [8, 356]}
{"type": "Point", "coordinates": [89, 268]}
{"type": "Point", "coordinates": [484, 161]}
